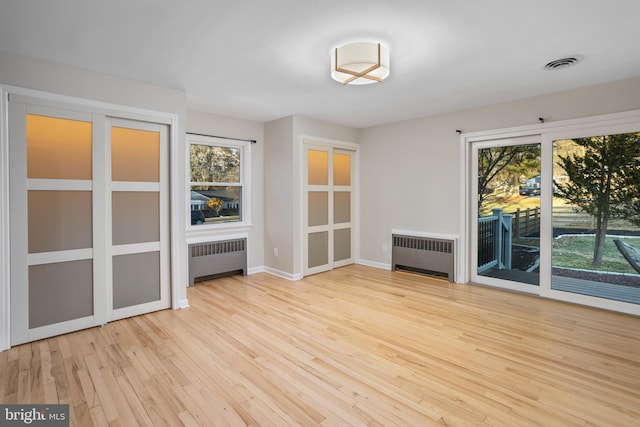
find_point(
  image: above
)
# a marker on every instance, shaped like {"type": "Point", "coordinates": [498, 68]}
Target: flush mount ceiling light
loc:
{"type": "Point", "coordinates": [360, 63]}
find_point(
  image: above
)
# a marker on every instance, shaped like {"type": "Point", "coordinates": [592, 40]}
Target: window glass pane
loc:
{"type": "Point", "coordinates": [508, 230]}
{"type": "Point", "coordinates": [215, 164]}
{"type": "Point", "coordinates": [318, 208]}
{"type": "Point", "coordinates": [136, 217]}
{"type": "Point", "coordinates": [341, 169]}
{"type": "Point", "coordinates": [58, 148]}
{"type": "Point", "coordinates": [59, 220]}
{"type": "Point", "coordinates": [318, 167]}
{"type": "Point", "coordinates": [135, 155]}
{"type": "Point", "coordinates": [214, 204]}
{"type": "Point", "coordinates": [596, 216]}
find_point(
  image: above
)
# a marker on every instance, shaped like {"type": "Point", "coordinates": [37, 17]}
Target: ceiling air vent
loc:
{"type": "Point", "coordinates": [567, 62]}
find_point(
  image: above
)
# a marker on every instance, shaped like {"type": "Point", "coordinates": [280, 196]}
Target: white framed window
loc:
{"type": "Point", "coordinates": [218, 176]}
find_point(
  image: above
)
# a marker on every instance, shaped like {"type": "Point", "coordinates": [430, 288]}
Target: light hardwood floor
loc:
{"type": "Point", "coordinates": [355, 346]}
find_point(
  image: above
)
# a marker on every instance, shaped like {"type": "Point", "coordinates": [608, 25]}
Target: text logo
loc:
{"type": "Point", "coordinates": [34, 415]}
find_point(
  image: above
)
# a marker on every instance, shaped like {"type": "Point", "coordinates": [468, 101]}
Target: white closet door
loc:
{"type": "Point", "coordinates": [53, 268]}
{"type": "Point", "coordinates": [139, 218]}
{"type": "Point", "coordinates": [89, 215]}
{"type": "Point", "coordinates": [328, 208]}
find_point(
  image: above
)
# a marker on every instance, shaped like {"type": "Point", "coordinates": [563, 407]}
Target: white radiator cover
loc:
{"type": "Point", "coordinates": [425, 252]}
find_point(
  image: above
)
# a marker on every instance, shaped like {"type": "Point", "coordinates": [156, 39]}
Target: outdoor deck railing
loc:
{"type": "Point", "coordinates": [494, 241]}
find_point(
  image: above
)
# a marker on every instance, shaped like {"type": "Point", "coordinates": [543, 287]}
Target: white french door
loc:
{"type": "Point", "coordinates": [89, 218]}
{"type": "Point", "coordinates": [328, 207]}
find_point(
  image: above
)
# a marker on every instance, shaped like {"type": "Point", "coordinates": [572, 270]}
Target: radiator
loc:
{"type": "Point", "coordinates": [213, 258]}
{"type": "Point", "coordinates": [424, 254]}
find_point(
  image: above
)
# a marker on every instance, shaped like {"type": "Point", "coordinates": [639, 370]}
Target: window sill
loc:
{"type": "Point", "coordinates": [203, 231]}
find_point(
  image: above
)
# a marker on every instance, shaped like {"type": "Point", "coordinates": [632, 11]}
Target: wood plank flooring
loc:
{"type": "Point", "coordinates": [353, 347]}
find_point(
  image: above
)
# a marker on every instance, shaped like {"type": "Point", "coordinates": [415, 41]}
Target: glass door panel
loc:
{"type": "Point", "coordinates": [318, 208]}
{"type": "Point", "coordinates": [59, 220]}
{"type": "Point", "coordinates": [58, 148]}
{"type": "Point", "coordinates": [341, 207]}
{"type": "Point", "coordinates": [135, 155]}
{"type": "Point", "coordinates": [136, 217]}
{"type": "Point", "coordinates": [136, 279]}
{"type": "Point", "coordinates": [507, 220]}
{"type": "Point", "coordinates": [341, 169]}
{"type": "Point", "coordinates": [342, 244]}
{"type": "Point", "coordinates": [318, 167]}
{"type": "Point", "coordinates": [596, 217]}
{"type": "Point", "coordinates": [60, 292]}
{"type": "Point", "coordinates": [318, 249]}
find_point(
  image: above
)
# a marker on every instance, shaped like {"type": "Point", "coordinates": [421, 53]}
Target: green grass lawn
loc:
{"type": "Point", "coordinates": [577, 252]}
{"type": "Point", "coordinates": [511, 202]}
{"type": "Point", "coordinates": [568, 251]}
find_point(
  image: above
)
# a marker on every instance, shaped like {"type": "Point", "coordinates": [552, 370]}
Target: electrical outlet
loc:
{"type": "Point", "coordinates": [275, 252]}
{"type": "Point", "coordinates": [385, 247]}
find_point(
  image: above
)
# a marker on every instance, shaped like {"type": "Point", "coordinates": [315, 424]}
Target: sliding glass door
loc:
{"type": "Point", "coordinates": [558, 215]}
{"type": "Point", "coordinates": [507, 213]}
{"type": "Point", "coordinates": [596, 217]}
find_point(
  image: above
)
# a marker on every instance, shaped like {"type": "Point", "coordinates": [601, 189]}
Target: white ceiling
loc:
{"type": "Point", "coordinates": [266, 59]}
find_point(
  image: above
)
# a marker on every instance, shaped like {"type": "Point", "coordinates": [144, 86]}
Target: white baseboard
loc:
{"type": "Point", "coordinates": [183, 303]}
{"type": "Point", "coordinates": [374, 264]}
{"type": "Point", "coordinates": [255, 270]}
{"type": "Point", "coordinates": [284, 275]}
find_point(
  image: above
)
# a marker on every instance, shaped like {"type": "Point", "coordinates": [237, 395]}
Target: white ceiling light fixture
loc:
{"type": "Point", "coordinates": [360, 63]}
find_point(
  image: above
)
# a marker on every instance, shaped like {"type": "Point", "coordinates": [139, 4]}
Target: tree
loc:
{"type": "Point", "coordinates": [215, 205]}
{"type": "Point", "coordinates": [505, 166]}
{"type": "Point", "coordinates": [214, 164]}
{"type": "Point", "coordinates": [604, 181]}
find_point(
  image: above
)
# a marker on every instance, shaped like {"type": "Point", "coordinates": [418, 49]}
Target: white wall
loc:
{"type": "Point", "coordinates": [51, 77]}
{"type": "Point", "coordinates": [210, 124]}
{"type": "Point", "coordinates": [410, 171]}
{"type": "Point", "coordinates": [278, 200]}
{"type": "Point", "coordinates": [283, 188]}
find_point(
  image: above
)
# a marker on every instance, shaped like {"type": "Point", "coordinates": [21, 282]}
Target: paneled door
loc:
{"type": "Point", "coordinates": [89, 219]}
{"type": "Point", "coordinates": [139, 221]}
{"type": "Point", "coordinates": [328, 202]}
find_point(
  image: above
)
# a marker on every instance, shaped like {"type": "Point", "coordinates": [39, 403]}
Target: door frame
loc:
{"type": "Point", "coordinates": [547, 132]}
{"type": "Point", "coordinates": [178, 253]}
